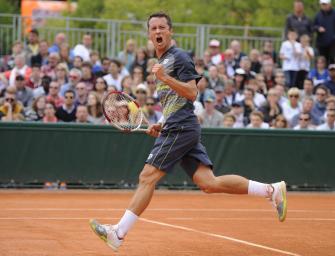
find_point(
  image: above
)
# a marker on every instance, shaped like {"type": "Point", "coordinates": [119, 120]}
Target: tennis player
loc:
{"type": "Point", "coordinates": [178, 139]}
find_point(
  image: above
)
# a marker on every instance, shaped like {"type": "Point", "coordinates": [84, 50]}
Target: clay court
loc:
{"type": "Point", "coordinates": [36, 223]}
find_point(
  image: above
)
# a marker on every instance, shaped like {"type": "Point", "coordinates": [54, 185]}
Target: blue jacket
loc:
{"type": "Point", "coordinates": [331, 86]}
{"type": "Point", "coordinates": [326, 20]}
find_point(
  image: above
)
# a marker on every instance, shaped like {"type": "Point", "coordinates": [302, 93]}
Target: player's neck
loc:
{"type": "Point", "coordinates": [161, 52]}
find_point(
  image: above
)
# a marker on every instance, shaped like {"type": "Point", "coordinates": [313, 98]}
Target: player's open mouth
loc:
{"type": "Point", "coordinates": [159, 40]}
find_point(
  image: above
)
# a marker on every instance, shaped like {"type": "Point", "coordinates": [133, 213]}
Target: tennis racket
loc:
{"type": "Point", "coordinates": [123, 112]}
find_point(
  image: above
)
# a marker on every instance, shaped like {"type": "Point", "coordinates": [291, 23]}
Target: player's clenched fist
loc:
{"type": "Point", "coordinates": [154, 130]}
{"type": "Point", "coordinates": [158, 71]}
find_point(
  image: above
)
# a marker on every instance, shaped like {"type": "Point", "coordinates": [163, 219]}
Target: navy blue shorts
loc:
{"type": "Point", "coordinates": [179, 145]}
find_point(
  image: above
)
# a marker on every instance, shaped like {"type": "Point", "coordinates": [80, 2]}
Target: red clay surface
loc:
{"type": "Point", "coordinates": [36, 223]}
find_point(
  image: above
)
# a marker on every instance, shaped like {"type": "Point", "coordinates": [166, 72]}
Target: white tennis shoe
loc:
{"type": "Point", "coordinates": [107, 233]}
{"type": "Point", "coordinates": [278, 199]}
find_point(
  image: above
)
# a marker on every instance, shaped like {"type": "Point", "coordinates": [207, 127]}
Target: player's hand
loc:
{"type": "Point", "coordinates": [154, 130]}
{"type": "Point", "coordinates": [158, 71]}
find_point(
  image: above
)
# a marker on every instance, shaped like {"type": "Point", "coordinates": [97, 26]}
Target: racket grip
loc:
{"type": "Point", "coordinates": [140, 130]}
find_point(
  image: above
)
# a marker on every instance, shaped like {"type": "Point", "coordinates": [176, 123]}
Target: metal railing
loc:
{"type": "Point", "coordinates": [110, 35]}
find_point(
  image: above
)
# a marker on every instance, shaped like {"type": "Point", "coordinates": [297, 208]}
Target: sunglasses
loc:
{"type": "Point", "coordinates": [150, 82]}
{"type": "Point", "coordinates": [304, 119]}
{"type": "Point", "coordinates": [68, 97]}
{"type": "Point", "coordinates": [294, 96]}
{"type": "Point", "coordinates": [150, 104]}
{"type": "Point", "coordinates": [142, 92]}
{"type": "Point", "coordinates": [10, 99]}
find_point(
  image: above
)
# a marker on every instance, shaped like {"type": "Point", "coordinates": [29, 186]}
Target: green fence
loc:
{"type": "Point", "coordinates": [35, 152]}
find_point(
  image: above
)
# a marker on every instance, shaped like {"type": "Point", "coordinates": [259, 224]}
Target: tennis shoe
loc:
{"type": "Point", "coordinates": [107, 233]}
{"type": "Point", "coordinates": [278, 199]}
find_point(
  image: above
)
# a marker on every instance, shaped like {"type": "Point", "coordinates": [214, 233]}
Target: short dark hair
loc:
{"type": "Point", "coordinates": [70, 91]}
{"type": "Point", "coordinates": [34, 31]}
{"type": "Point", "coordinates": [160, 14]}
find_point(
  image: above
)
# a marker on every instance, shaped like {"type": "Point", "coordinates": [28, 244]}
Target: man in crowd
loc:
{"type": "Point", "coordinates": [82, 114]}
{"type": "Point", "coordinates": [152, 115]}
{"type": "Point", "coordinates": [67, 112]}
{"type": "Point", "coordinates": [331, 83]}
{"type": "Point", "coordinates": [329, 125]}
{"type": "Point", "coordinates": [215, 52]}
{"type": "Point", "coordinates": [74, 78]}
{"type": "Point", "coordinates": [11, 109]}
{"type": "Point", "coordinates": [210, 117]}
{"type": "Point", "coordinates": [23, 92]}
{"type": "Point", "coordinates": [83, 50]}
{"type": "Point", "coordinates": [304, 122]}
{"type": "Point", "coordinates": [60, 38]}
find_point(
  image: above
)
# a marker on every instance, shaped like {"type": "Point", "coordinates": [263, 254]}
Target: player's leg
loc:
{"type": "Point", "coordinates": [113, 234]}
{"type": "Point", "coordinates": [234, 184]}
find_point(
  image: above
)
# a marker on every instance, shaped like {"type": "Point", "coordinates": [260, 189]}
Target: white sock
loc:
{"type": "Point", "coordinates": [126, 223]}
{"type": "Point", "coordinates": [258, 189]}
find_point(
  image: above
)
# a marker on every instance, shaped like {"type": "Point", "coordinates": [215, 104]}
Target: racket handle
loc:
{"type": "Point", "coordinates": [140, 130]}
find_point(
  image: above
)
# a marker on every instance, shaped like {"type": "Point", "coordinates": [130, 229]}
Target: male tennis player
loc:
{"type": "Point", "coordinates": [178, 139]}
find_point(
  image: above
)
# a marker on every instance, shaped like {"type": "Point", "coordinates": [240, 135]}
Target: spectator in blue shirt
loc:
{"type": "Point", "coordinates": [330, 84]}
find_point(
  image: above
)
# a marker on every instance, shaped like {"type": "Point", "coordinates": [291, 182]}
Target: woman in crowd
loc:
{"type": "Point", "coordinates": [127, 56]}
{"type": "Point", "coordinates": [141, 59]}
{"type": "Point", "coordinates": [62, 73]}
{"type": "Point", "coordinates": [49, 114]}
{"type": "Point", "coordinates": [95, 115]}
{"type": "Point", "coordinates": [36, 112]}
{"type": "Point", "coordinates": [319, 74]}
{"type": "Point", "coordinates": [280, 122]}
{"type": "Point", "coordinates": [100, 87]}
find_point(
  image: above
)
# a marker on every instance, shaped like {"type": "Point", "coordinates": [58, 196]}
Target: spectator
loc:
{"type": "Point", "coordinates": [200, 66]}
{"type": "Point", "coordinates": [219, 100]}
{"type": "Point", "coordinates": [222, 72]}
{"type": "Point", "coordinates": [280, 122]}
{"type": "Point", "coordinates": [105, 63]}
{"type": "Point", "coordinates": [304, 122]}
{"type": "Point", "coordinates": [257, 121]}
{"type": "Point", "coordinates": [44, 88]}
{"type": "Point", "coordinates": [114, 77]}
{"type": "Point", "coordinates": [60, 38]}
{"type": "Point", "coordinates": [229, 93]}
{"type": "Point", "coordinates": [77, 62]}
{"type": "Point", "coordinates": [41, 58]}
{"type": "Point", "coordinates": [151, 49]}
{"type": "Point", "coordinates": [271, 109]}
{"type": "Point", "coordinates": [319, 108]}
{"type": "Point", "coordinates": [67, 112]}
{"type": "Point", "coordinates": [229, 121]}
{"type": "Point", "coordinates": [127, 56]}
{"type": "Point", "coordinates": [100, 87]}
{"type": "Point", "coordinates": [292, 106]}
{"type": "Point", "coordinates": [74, 78]}
{"type": "Point", "coordinates": [83, 50]}
{"type": "Point", "coordinates": [235, 45]}
{"type": "Point", "coordinates": [238, 112]}
{"type": "Point", "coordinates": [87, 76]}
{"type": "Point", "coordinates": [210, 116]}
{"type": "Point", "coordinates": [261, 84]}
{"type": "Point", "coordinates": [202, 87]}
{"type": "Point", "coordinates": [240, 79]}
{"type": "Point", "coordinates": [151, 114]}
{"type": "Point", "coordinates": [319, 75]}
{"type": "Point", "coordinates": [81, 94]}
{"type": "Point", "coordinates": [20, 68]}
{"type": "Point", "coordinates": [94, 108]}
{"type": "Point", "coordinates": [66, 55]}
{"type": "Point", "coordinates": [248, 104]}
{"type": "Point", "coordinates": [96, 63]}
{"type": "Point", "coordinates": [207, 58]}
{"type": "Point", "coordinates": [50, 68]}
{"type": "Point", "coordinates": [281, 94]}
{"type": "Point", "coordinates": [307, 106]}
{"type": "Point", "coordinates": [305, 60]}
{"type": "Point", "coordinates": [298, 21]}
{"type": "Point", "coordinates": [31, 48]}
{"type": "Point", "coordinates": [213, 77]}
{"type": "Point", "coordinates": [268, 50]}
{"type": "Point", "coordinates": [141, 95]}
{"type": "Point", "coordinates": [215, 52]}
{"type": "Point", "coordinates": [138, 75]}
{"type": "Point", "coordinates": [35, 78]}
{"type": "Point", "coordinates": [255, 59]}
{"type": "Point", "coordinates": [23, 92]}
{"type": "Point", "coordinates": [7, 62]}
{"type": "Point", "coordinates": [290, 54]}
{"type": "Point", "coordinates": [11, 109]}
{"type": "Point", "coordinates": [245, 64]}
{"type": "Point", "coordinates": [324, 26]}
{"type": "Point", "coordinates": [279, 77]}
{"type": "Point", "coordinates": [307, 92]}
{"type": "Point", "coordinates": [229, 62]}
{"type": "Point", "coordinates": [151, 85]}
{"type": "Point", "coordinates": [62, 72]}
{"type": "Point", "coordinates": [53, 95]}
{"type": "Point", "coordinates": [269, 75]}
{"type": "Point", "coordinates": [150, 64]}
{"type": "Point", "coordinates": [259, 98]}
{"type": "Point", "coordinates": [49, 114]}
{"type": "Point", "coordinates": [36, 111]}
{"type": "Point", "coordinates": [331, 83]}
{"type": "Point", "coordinates": [329, 125]}
{"type": "Point", "coordinates": [141, 59]}
{"type": "Point", "coordinates": [82, 114]}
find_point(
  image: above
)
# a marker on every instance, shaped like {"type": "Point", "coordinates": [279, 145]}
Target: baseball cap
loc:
{"type": "Point", "coordinates": [214, 43]}
{"type": "Point", "coordinates": [239, 71]}
{"type": "Point", "coordinates": [331, 66]}
{"type": "Point", "coordinates": [141, 87]}
{"type": "Point", "coordinates": [325, 1]}
{"type": "Point", "coordinates": [209, 96]}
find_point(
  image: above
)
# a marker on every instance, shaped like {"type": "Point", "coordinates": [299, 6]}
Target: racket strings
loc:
{"type": "Point", "coordinates": [122, 111]}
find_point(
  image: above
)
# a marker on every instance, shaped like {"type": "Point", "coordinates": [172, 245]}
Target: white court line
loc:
{"type": "Point", "coordinates": [53, 218]}
{"type": "Point", "coordinates": [220, 236]}
{"type": "Point", "coordinates": [165, 209]}
{"type": "Point", "coordinates": [253, 219]}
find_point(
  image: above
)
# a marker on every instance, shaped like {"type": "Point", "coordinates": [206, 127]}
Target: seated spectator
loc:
{"type": "Point", "coordinates": [320, 105]}
{"type": "Point", "coordinates": [262, 88]}
{"type": "Point", "coordinates": [329, 125]}
{"type": "Point", "coordinates": [151, 49]}
{"type": "Point", "coordinates": [95, 115]}
{"type": "Point", "coordinates": [248, 103]}
{"type": "Point", "coordinates": [259, 98]}
{"type": "Point", "coordinates": [7, 62]}
{"type": "Point", "coordinates": [229, 93]}
{"type": "Point", "coordinates": [307, 106]}
{"type": "Point", "coordinates": [32, 45]}
{"type": "Point", "coordinates": [331, 83]}
{"type": "Point", "coordinates": [304, 122]}
{"type": "Point", "coordinates": [50, 68]}
{"type": "Point", "coordinates": [141, 94]}
{"type": "Point", "coordinates": [114, 77]}
{"type": "Point", "coordinates": [151, 63]}
{"type": "Point", "coordinates": [150, 113]}
{"type": "Point", "coordinates": [245, 64]}
{"type": "Point", "coordinates": [127, 56]}
{"type": "Point", "coordinates": [229, 121]}
{"type": "Point", "coordinates": [41, 58]}
{"type": "Point", "coordinates": [280, 122]}
{"type": "Point", "coordinates": [128, 86]}
{"type": "Point", "coordinates": [255, 59]}
{"type": "Point", "coordinates": [81, 94]}
{"type": "Point", "coordinates": [202, 87]}
{"type": "Point", "coordinates": [219, 100]}
{"type": "Point", "coordinates": [60, 38]}
{"type": "Point", "coordinates": [43, 89]}
{"type": "Point", "coordinates": [74, 78]}
{"type": "Point", "coordinates": [210, 116]}
{"type": "Point", "coordinates": [49, 114]}
{"type": "Point", "coordinates": [307, 91]}
{"type": "Point", "coordinates": [235, 45]}
{"type": "Point", "coordinates": [319, 75]}
{"type": "Point", "coordinates": [100, 87]}
{"type": "Point", "coordinates": [281, 94]}
{"type": "Point", "coordinates": [105, 63]}
{"type": "Point", "coordinates": [23, 93]}
{"type": "Point", "coordinates": [67, 112]}
{"type": "Point", "coordinates": [82, 114]}
{"type": "Point", "coordinates": [213, 77]}
{"type": "Point", "coordinates": [77, 62]}
{"type": "Point", "coordinates": [87, 76]}
{"type": "Point", "coordinates": [62, 72]}
{"type": "Point", "coordinates": [268, 49]}
{"type": "Point", "coordinates": [11, 109]}
{"type": "Point", "coordinates": [238, 112]}
{"type": "Point", "coordinates": [137, 75]}
{"type": "Point", "coordinates": [35, 78]}
{"type": "Point", "coordinates": [215, 52]}
{"type": "Point", "coordinates": [271, 109]}
{"type": "Point", "coordinates": [84, 49]}
{"type": "Point", "coordinates": [151, 85]}
{"type": "Point", "coordinates": [222, 72]}
{"type": "Point", "coordinates": [257, 121]}
{"type": "Point", "coordinates": [330, 102]}
{"type": "Point", "coordinates": [239, 80]}
{"type": "Point", "coordinates": [141, 60]}
{"type": "Point", "coordinates": [53, 95]}
{"type": "Point", "coordinates": [20, 68]}
{"type": "Point", "coordinates": [66, 55]}
{"type": "Point", "coordinates": [36, 111]}
{"type": "Point", "coordinates": [229, 62]}
{"type": "Point", "coordinates": [292, 107]}
{"type": "Point", "coordinates": [279, 77]}
{"type": "Point", "coordinates": [199, 65]}
{"type": "Point", "coordinates": [269, 75]}
{"type": "Point", "coordinates": [96, 63]}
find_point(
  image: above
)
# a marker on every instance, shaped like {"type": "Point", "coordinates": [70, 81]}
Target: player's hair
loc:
{"type": "Point", "coordinates": [160, 14]}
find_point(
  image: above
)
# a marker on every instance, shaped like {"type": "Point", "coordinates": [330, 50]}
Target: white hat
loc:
{"type": "Point", "coordinates": [141, 87]}
{"type": "Point", "coordinates": [214, 43]}
{"type": "Point", "coordinates": [240, 71]}
{"type": "Point", "coordinates": [325, 1]}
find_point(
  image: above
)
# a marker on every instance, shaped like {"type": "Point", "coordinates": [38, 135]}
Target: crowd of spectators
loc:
{"type": "Point", "coordinates": [292, 88]}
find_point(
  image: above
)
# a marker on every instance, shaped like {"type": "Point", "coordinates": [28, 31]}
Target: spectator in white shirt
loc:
{"type": "Point", "coordinates": [290, 52]}
{"type": "Point", "coordinates": [306, 57]}
{"type": "Point", "coordinates": [329, 125]}
{"type": "Point", "coordinates": [257, 121]}
{"type": "Point", "coordinates": [83, 50]}
{"type": "Point", "coordinates": [114, 77]}
{"type": "Point", "coordinates": [304, 122]}
{"type": "Point", "coordinates": [292, 106]}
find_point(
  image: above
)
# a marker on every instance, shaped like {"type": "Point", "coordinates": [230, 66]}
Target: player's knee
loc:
{"type": "Point", "coordinates": [148, 176]}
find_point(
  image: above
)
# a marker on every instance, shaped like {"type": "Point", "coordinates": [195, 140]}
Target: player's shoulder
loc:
{"type": "Point", "coordinates": [180, 53]}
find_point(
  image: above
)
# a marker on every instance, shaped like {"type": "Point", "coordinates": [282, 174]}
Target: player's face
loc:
{"type": "Point", "coordinates": [160, 33]}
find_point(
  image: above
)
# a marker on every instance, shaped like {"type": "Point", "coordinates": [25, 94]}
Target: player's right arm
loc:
{"type": "Point", "coordinates": [154, 130]}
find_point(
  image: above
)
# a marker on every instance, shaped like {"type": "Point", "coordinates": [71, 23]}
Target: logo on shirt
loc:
{"type": "Point", "coordinates": [165, 61]}
{"type": "Point", "coordinates": [150, 156]}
